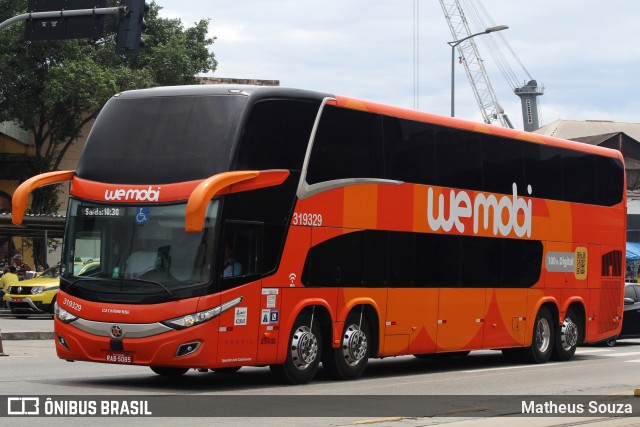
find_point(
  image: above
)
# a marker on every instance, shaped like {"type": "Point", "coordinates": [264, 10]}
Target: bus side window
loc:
{"type": "Point", "coordinates": [242, 251]}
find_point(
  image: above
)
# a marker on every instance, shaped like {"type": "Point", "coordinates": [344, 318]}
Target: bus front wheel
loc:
{"type": "Point", "coordinates": [543, 338]}
{"type": "Point", "coordinates": [169, 372]}
{"type": "Point", "coordinates": [303, 353]}
{"type": "Point", "coordinates": [349, 361]}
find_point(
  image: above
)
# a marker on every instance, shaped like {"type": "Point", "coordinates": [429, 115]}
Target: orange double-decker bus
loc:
{"type": "Point", "coordinates": [232, 226]}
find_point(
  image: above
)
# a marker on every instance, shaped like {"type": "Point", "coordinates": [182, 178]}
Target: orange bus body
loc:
{"type": "Point", "coordinates": [403, 320]}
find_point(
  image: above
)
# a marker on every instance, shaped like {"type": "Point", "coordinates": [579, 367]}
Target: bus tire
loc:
{"type": "Point", "coordinates": [303, 352]}
{"type": "Point", "coordinates": [169, 372]}
{"type": "Point", "coordinates": [567, 337]}
{"type": "Point", "coordinates": [349, 361]}
{"type": "Point", "coordinates": [542, 341]}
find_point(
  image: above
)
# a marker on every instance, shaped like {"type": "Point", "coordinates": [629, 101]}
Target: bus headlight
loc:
{"type": "Point", "coordinates": [189, 320]}
{"type": "Point", "coordinates": [63, 315]}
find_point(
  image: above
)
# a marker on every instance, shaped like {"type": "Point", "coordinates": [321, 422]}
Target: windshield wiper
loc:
{"type": "Point", "coordinates": [153, 282]}
{"type": "Point", "coordinates": [80, 279]}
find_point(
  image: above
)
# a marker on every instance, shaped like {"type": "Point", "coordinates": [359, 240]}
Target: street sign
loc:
{"type": "Point", "coordinates": [64, 27]}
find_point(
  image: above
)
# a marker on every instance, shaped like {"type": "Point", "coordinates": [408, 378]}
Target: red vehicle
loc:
{"type": "Point", "coordinates": [269, 226]}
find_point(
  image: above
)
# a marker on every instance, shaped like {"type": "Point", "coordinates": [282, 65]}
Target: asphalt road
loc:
{"type": "Point", "coordinates": [595, 373]}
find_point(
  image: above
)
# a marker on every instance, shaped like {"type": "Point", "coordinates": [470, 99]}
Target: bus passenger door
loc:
{"type": "Point", "coordinates": [241, 278]}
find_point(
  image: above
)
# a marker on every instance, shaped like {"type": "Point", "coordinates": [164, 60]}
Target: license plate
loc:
{"type": "Point", "coordinates": [122, 357]}
{"type": "Point", "coordinates": [17, 299]}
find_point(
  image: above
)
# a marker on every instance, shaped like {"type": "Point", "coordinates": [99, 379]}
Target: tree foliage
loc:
{"type": "Point", "coordinates": [54, 88]}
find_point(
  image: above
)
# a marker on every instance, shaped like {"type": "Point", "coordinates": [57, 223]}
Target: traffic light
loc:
{"type": "Point", "coordinates": [131, 26]}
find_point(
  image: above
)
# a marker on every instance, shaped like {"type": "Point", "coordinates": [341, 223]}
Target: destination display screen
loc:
{"type": "Point", "coordinates": [101, 211]}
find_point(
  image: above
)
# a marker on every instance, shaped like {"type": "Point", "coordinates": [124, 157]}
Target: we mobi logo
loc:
{"type": "Point", "coordinates": [138, 195]}
{"type": "Point", "coordinates": [499, 215]}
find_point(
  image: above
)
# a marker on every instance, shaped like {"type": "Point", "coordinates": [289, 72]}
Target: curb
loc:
{"type": "Point", "coordinates": [14, 336]}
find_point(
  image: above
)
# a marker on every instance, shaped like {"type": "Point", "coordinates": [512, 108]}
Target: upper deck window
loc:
{"type": "Point", "coordinates": [161, 139]}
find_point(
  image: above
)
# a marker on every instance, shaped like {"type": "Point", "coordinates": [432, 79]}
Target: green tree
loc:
{"type": "Point", "coordinates": [54, 88]}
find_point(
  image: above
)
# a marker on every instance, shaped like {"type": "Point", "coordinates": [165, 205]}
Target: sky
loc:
{"type": "Point", "coordinates": [583, 52]}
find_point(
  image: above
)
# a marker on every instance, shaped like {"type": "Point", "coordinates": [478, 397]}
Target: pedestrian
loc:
{"type": "Point", "coordinates": [8, 278]}
{"type": "Point", "coordinates": [21, 267]}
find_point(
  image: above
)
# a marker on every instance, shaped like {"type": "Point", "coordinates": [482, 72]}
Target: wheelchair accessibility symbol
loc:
{"type": "Point", "coordinates": [142, 215]}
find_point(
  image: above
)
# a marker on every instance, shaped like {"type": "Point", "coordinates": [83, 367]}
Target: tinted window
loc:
{"type": "Point", "coordinates": [401, 259]}
{"type": "Point", "coordinates": [269, 206]}
{"type": "Point", "coordinates": [521, 262]}
{"type": "Point", "coordinates": [409, 151]}
{"type": "Point", "coordinates": [161, 139]}
{"type": "Point", "coordinates": [610, 180]}
{"type": "Point", "coordinates": [579, 177]}
{"type": "Point", "coordinates": [376, 258]}
{"type": "Point", "coordinates": [422, 260]}
{"type": "Point", "coordinates": [543, 170]}
{"type": "Point", "coordinates": [337, 262]}
{"type": "Point", "coordinates": [503, 165]}
{"type": "Point", "coordinates": [481, 262]}
{"type": "Point", "coordinates": [437, 260]}
{"type": "Point", "coordinates": [348, 144]}
{"type": "Point", "coordinates": [459, 158]}
{"type": "Point", "coordinates": [276, 135]}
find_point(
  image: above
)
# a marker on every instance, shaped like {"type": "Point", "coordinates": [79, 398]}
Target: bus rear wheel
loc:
{"type": "Point", "coordinates": [543, 338]}
{"type": "Point", "coordinates": [568, 337]}
{"type": "Point", "coordinates": [303, 353]}
{"type": "Point", "coordinates": [349, 361]}
{"type": "Point", "coordinates": [169, 372]}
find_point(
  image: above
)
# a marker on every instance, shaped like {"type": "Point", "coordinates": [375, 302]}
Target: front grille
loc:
{"type": "Point", "coordinates": [20, 290]}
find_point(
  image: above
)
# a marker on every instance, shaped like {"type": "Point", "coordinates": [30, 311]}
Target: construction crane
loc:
{"type": "Point", "coordinates": [469, 56]}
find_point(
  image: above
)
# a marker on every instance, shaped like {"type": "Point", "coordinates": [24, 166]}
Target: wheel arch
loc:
{"type": "Point", "coordinates": [321, 312]}
{"type": "Point", "coordinates": [550, 304]}
{"type": "Point", "coordinates": [371, 312]}
{"type": "Point", "coordinates": [578, 307]}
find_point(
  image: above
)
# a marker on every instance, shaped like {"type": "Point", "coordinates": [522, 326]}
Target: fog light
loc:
{"type": "Point", "coordinates": [187, 348]}
{"type": "Point", "coordinates": [63, 342]}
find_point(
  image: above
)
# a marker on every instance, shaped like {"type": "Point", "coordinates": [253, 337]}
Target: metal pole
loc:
{"type": "Point", "coordinates": [454, 44]}
{"type": "Point", "coordinates": [62, 14]}
{"type": "Point", "coordinates": [46, 247]}
{"type": "Point", "coordinates": [453, 49]}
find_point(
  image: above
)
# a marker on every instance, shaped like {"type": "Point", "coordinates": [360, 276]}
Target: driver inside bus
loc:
{"type": "Point", "coordinates": [231, 267]}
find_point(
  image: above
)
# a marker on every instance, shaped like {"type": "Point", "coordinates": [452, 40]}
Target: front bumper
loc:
{"type": "Point", "coordinates": [27, 304]}
{"type": "Point", "coordinates": [151, 344]}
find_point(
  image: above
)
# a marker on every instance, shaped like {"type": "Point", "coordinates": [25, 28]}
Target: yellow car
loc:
{"type": "Point", "coordinates": [36, 295]}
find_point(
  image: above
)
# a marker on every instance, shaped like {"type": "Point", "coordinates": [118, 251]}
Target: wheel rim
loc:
{"type": "Point", "coordinates": [569, 334]}
{"type": "Point", "coordinates": [543, 335]}
{"type": "Point", "coordinates": [354, 345]}
{"type": "Point", "coordinates": [304, 348]}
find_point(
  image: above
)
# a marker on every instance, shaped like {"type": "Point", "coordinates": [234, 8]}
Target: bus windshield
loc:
{"type": "Point", "coordinates": [138, 250]}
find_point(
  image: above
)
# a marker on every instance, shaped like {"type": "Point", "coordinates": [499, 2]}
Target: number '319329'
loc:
{"type": "Point", "coordinates": [310, 219]}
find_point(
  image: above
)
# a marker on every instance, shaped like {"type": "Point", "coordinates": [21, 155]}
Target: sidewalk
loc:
{"type": "Point", "coordinates": [37, 327]}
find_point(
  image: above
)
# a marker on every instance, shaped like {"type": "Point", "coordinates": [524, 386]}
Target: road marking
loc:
{"type": "Point", "coordinates": [633, 361]}
{"type": "Point", "coordinates": [630, 353]}
{"type": "Point", "coordinates": [511, 367]}
{"type": "Point", "coordinates": [594, 350]}
{"type": "Point", "coordinates": [378, 420]}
